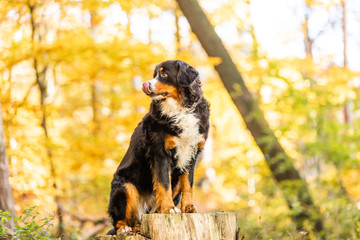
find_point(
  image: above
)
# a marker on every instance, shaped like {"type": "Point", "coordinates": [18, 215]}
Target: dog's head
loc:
{"type": "Point", "coordinates": [174, 79]}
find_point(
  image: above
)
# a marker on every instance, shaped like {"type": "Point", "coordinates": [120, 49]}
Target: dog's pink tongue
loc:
{"type": "Point", "coordinates": [146, 88]}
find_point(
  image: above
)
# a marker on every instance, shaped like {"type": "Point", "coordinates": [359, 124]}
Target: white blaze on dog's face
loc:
{"type": "Point", "coordinates": [152, 83]}
{"type": "Point", "coordinates": [154, 88]}
{"type": "Point", "coordinates": [163, 85]}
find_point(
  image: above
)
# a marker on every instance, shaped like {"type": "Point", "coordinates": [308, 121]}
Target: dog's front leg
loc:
{"type": "Point", "coordinates": [186, 186]}
{"type": "Point", "coordinates": [162, 188]}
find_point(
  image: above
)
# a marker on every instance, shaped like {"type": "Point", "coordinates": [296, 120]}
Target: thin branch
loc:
{"type": "Point", "coordinates": [22, 102]}
{"type": "Point", "coordinates": [82, 219]}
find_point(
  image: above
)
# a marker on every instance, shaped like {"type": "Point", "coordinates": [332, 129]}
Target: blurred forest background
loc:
{"type": "Point", "coordinates": [70, 89]}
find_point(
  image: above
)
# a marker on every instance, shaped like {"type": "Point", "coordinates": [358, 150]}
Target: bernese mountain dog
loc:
{"type": "Point", "coordinates": [157, 171]}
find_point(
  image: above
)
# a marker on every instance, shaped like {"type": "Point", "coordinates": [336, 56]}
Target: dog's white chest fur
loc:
{"type": "Point", "coordinates": [187, 142]}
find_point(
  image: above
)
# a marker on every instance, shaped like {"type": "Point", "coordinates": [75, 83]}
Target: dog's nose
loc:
{"type": "Point", "coordinates": [146, 88]}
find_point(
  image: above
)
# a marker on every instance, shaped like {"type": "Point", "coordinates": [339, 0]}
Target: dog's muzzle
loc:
{"type": "Point", "coordinates": [146, 88]}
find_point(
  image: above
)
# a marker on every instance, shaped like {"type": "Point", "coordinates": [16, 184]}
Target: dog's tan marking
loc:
{"type": "Point", "coordinates": [163, 198]}
{"type": "Point", "coordinates": [187, 205]}
{"type": "Point", "coordinates": [170, 90]}
{"type": "Point", "coordinates": [123, 228]}
{"type": "Point", "coordinates": [120, 224]}
{"type": "Point", "coordinates": [161, 68]}
{"type": "Point", "coordinates": [170, 142]}
{"type": "Point", "coordinates": [132, 201]}
{"type": "Point", "coordinates": [201, 143]}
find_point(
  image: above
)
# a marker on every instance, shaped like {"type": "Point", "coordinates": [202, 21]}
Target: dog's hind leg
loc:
{"type": "Point", "coordinates": [123, 208]}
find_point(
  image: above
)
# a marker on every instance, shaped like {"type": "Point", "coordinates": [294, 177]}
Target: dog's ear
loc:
{"type": "Point", "coordinates": [186, 74]}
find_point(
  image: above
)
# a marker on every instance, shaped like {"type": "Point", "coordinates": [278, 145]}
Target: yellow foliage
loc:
{"type": "Point", "coordinates": [94, 65]}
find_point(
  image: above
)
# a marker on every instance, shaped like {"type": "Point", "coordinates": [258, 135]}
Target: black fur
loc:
{"type": "Point", "coordinates": [146, 155]}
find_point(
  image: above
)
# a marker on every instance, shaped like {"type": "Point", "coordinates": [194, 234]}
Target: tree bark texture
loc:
{"type": "Point", "coordinates": [347, 116]}
{"type": "Point", "coordinates": [185, 226]}
{"type": "Point", "coordinates": [134, 237]}
{"type": "Point", "coordinates": [295, 189]}
{"type": "Point", "coordinates": [41, 81]}
{"type": "Point", "coordinates": [95, 85]}
{"type": "Point", "coordinates": [6, 197]}
{"type": "Point", "coordinates": [308, 41]}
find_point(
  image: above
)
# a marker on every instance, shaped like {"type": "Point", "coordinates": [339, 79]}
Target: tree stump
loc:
{"type": "Point", "coordinates": [184, 226]}
{"type": "Point", "coordinates": [134, 237]}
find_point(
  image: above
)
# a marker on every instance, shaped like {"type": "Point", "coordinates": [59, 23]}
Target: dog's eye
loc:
{"type": "Point", "coordinates": [163, 75]}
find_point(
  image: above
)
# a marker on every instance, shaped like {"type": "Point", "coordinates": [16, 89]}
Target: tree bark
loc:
{"type": "Point", "coordinates": [185, 226]}
{"type": "Point", "coordinates": [343, 4]}
{"type": "Point", "coordinates": [6, 197]}
{"type": "Point", "coordinates": [188, 226]}
{"type": "Point", "coordinates": [295, 189]}
{"type": "Point", "coordinates": [177, 33]}
{"type": "Point", "coordinates": [40, 75]}
{"type": "Point", "coordinates": [95, 85]}
{"type": "Point", "coordinates": [308, 42]}
{"type": "Point", "coordinates": [133, 237]}
{"type": "Point", "coordinates": [346, 110]}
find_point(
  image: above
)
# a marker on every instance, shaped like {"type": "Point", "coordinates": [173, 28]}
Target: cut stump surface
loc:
{"type": "Point", "coordinates": [184, 226]}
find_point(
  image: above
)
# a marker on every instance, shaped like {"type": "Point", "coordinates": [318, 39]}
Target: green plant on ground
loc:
{"type": "Point", "coordinates": [29, 225]}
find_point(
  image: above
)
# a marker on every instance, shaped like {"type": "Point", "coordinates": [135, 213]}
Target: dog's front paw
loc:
{"type": "Point", "coordinates": [175, 210]}
{"type": "Point", "coordinates": [125, 230]}
{"type": "Point", "coordinates": [190, 209]}
{"type": "Point", "coordinates": [172, 210]}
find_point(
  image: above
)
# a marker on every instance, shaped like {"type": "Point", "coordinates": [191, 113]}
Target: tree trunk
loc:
{"type": "Point", "coordinates": [177, 33]}
{"type": "Point", "coordinates": [308, 42]}
{"type": "Point", "coordinates": [40, 75]}
{"type": "Point", "coordinates": [95, 85]}
{"type": "Point", "coordinates": [6, 197]}
{"type": "Point", "coordinates": [185, 226]}
{"type": "Point", "coordinates": [295, 189]}
{"type": "Point", "coordinates": [343, 4]}
{"type": "Point", "coordinates": [347, 117]}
